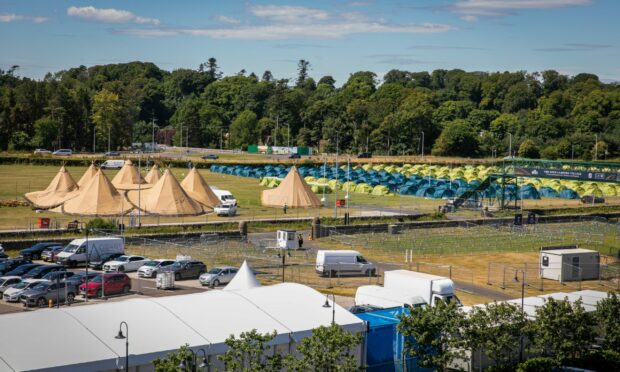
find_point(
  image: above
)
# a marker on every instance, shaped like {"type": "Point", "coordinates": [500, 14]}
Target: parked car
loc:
{"type": "Point", "coordinates": [98, 264]}
{"type": "Point", "coordinates": [51, 253]}
{"type": "Point", "coordinates": [112, 164]}
{"type": "Point", "coordinates": [12, 294]}
{"type": "Point", "coordinates": [226, 210]}
{"type": "Point", "coordinates": [80, 277]}
{"type": "Point", "coordinates": [43, 292]}
{"type": "Point", "coordinates": [63, 152]}
{"type": "Point", "coordinates": [110, 283]}
{"type": "Point", "coordinates": [210, 157]}
{"type": "Point", "coordinates": [58, 275]}
{"type": "Point", "coordinates": [365, 155]}
{"type": "Point", "coordinates": [294, 156]}
{"type": "Point", "coordinates": [8, 281]}
{"type": "Point", "coordinates": [40, 271]}
{"type": "Point", "coordinates": [359, 309]}
{"type": "Point", "coordinates": [23, 269]}
{"type": "Point", "coordinates": [34, 252]}
{"type": "Point", "coordinates": [187, 269]}
{"type": "Point", "coordinates": [217, 276]}
{"type": "Point", "coordinates": [11, 264]}
{"type": "Point", "coordinates": [125, 263]}
{"type": "Point", "coordinates": [112, 153]}
{"type": "Point", "coordinates": [42, 152]}
{"type": "Point", "coordinates": [152, 268]}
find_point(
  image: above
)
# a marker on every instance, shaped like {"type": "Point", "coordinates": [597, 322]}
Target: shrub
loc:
{"type": "Point", "coordinates": [538, 365]}
{"type": "Point", "coordinates": [99, 223]}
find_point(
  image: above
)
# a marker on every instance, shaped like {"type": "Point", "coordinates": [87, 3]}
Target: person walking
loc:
{"type": "Point", "coordinates": [285, 208]}
{"type": "Point", "coordinates": [300, 241]}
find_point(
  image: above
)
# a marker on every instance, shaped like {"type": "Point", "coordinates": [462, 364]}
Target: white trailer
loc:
{"type": "Point", "coordinates": [431, 288]}
{"type": "Point", "coordinates": [385, 298]}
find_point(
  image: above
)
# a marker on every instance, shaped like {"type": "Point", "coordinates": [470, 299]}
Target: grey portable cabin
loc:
{"type": "Point", "coordinates": [569, 264]}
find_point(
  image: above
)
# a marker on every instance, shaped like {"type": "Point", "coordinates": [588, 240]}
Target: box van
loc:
{"type": "Point", "coordinates": [112, 164]}
{"type": "Point", "coordinates": [224, 195]}
{"type": "Point", "coordinates": [79, 251]}
{"type": "Point", "coordinates": [333, 263]}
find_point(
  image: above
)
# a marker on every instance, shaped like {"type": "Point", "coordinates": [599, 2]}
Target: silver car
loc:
{"type": "Point", "coordinates": [8, 281]}
{"type": "Point", "coordinates": [151, 268]}
{"type": "Point", "coordinates": [13, 293]}
{"type": "Point", "coordinates": [217, 276]}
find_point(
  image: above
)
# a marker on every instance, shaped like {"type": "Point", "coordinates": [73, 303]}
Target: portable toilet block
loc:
{"type": "Point", "coordinates": [287, 239]}
{"type": "Point", "coordinates": [569, 264]}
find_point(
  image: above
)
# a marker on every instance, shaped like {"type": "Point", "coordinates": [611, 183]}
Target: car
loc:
{"type": "Point", "coordinates": [98, 264]}
{"type": "Point", "coordinates": [187, 269]}
{"type": "Point", "coordinates": [58, 276]}
{"type": "Point", "coordinates": [106, 284]}
{"type": "Point", "coordinates": [217, 276]}
{"type": "Point", "coordinates": [12, 294]}
{"type": "Point", "coordinates": [112, 164]}
{"type": "Point", "coordinates": [359, 309]}
{"type": "Point", "coordinates": [11, 264]}
{"type": "Point", "coordinates": [226, 210]}
{"type": "Point", "coordinates": [125, 263]}
{"type": "Point", "coordinates": [80, 277]}
{"type": "Point", "coordinates": [294, 156]}
{"type": "Point", "coordinates": [43, 292]}
{"type": "Point", "coordinates": [51, 253]}
{"type": "Point", "coordinates": [364, 155]}
{"type": "Point", "coordinates": [210, 157]}
{"type": "Point", "coordinates": [23, 269]}
{"type": "Point", "coordinates": [42, 152]}
{"type": "Point", "coordinates": [63, 152]}
{"type": "Point", "coordinates": [152, 268]}
{"type": "Point", "coordinates": [34, 252]}
{"type": "Point", "coordinates": [42, 270]}
{"type": "Point", "coordinates": [8, 281]}
{"type": "Point", "coordinates": [112, 153]}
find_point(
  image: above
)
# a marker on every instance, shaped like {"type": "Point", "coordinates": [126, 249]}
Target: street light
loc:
{"type": "Point", "coordinates": [333, 306]}
{"type": "Point", "coordinates": [121, 336]}
{"type": "Point", "coordinates": [516, 280]}
{"type": "Point", "coordinates": [422, 144]}
{"type": "Point", "coordinates": [202, 365]}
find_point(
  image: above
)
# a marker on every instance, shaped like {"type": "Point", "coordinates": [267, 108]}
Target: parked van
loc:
{"type": "Point", "coordinates": [333, 263]}
{"type": "Point", "coordinates": [224, 195]}
{"type": "Point", "coordinates": [112, 164]}
{"type": "Point", "coordinates": [79, 251]}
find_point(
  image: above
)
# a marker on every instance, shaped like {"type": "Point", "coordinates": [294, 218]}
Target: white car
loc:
{"type": "Point", "coordinates": [42, 152]}
{"type": "Point", "coordinates": [151, 268]}
{"type": "Point", "coordinates": [8, 281]}
{"type": "Point", "coordinates": [12, 294]}
{"type": "Point", "coordinates": [125, 263]}
{"type": "Point", "coordinates": [217, 276]}
{"type": "Point", "coordinates": [63, 152]}
{"type": "Point", "coordinates": [227, 210]}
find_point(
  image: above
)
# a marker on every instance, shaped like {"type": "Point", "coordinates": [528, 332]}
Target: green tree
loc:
{"type": "Point", "coordinates": [172, 361]}
{"type": "Point", "coordinates": [458, 138]}
{"type": "Point", "coordinates": [608, 321]}
{"type": "Point", "coordinates": [251, 352]}
{"type": "Point", "coordinates": [46, 132]}
{"type": "Point", "coordinates": [243, 130]}
{"type": "Point", "coordinates": [529, 149]}
{"type": "Point", "coordinates": [302, 72]}
{"type": "Point", "coordinates": [107, 116]}
{"type": "Point", "coordinates": [433, 334]}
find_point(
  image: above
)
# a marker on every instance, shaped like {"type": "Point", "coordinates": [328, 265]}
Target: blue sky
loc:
{"type": "Point", "coordinates": [337, 37]}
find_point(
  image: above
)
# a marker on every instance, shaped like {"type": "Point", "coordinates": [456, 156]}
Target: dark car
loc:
{"type": "Point", "coordinates": [54, 276]}
{"type": "Point", "coordinates": [34, 252]}
{"type": "Point", "coordinates": [40, 294]}
{"type": "Point", "coordinates": [294, 156]}
{"type": "Point", "coordinates": [98, 264]}
{"type": "Point", "coordinates": [359, 309]}
{"type": "Point", "coordinates": [365, 155]}
{"type": "Point", "coordinates": [9, 265]}
{"type": "Point", "coordinates": [51, 253]}
{"type": "Point", "coordinates": [41, 271]}
{"type": "Point", "coordinates": [210, 157]}
{"type": "Point", "coordinates": [80, 277]}
{"type": "Point", "coordinates": [187, 269]}
{"type": "Point", "coordinates": [112, 153]}
{"type": "Point", "coordinates": [23, 269]}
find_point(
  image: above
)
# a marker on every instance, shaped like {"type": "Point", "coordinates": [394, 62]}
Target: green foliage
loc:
{"type": "Point", "coordinates": [437, 334]}
{"type": "Point", "coordinates": [599, 360]}
{"type": "Point", "coordinates": [99, 223]}
{"type": "Point", "coordinates": [172, 361]}
{"type": "Point", "coordinates": [243, 129]}
{"type": "Point", "coordinates": [608, 320]}
{"type": "Point", "coordinates": [329, 349]}
{"type": "Point", "coordinates": [458, 138]}
{"type": "Point", "coordinates": [528, 149]}
{"type": "Point", "coordinates": [251, 352]}
{"type": "Point", "coordinates": [540, 364]}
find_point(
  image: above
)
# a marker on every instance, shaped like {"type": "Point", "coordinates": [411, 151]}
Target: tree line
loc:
{"type": "Point", "coordinates": [446, 112]}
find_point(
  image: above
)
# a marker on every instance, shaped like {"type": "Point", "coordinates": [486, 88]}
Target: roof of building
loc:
{"type": "Point", "coordinates": [568, 251]}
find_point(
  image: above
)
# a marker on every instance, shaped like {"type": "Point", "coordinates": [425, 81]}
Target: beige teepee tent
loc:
{"type": "Point", "coordinates": [153, 175]}
{"type": "Point", "coordinates": [88, 175]}
{"type": "Point", "coordinates": [128, 178]}
{"type": "Point", "coordinates": [165, 198]}
{"type": "Point", "coordinates": [97, 198]}
{"type": "Point", "coordinates": [58, 191]}
{"type": "Point", "coordinates": [198, 189]}
{"type": "Point", "coordinates": [292, 191]}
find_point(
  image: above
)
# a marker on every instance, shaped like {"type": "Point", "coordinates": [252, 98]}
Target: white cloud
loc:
{"type": "Point", "coordinates": [229, 20]}
{"type": "Point", "coordinates": [11, 17]}
{"type": "Point", "coordinates": [111, 15]}
{"type": "Point", "coordinates": [289, 14]}
{"type": "Point", "coordinates": [471, 10]}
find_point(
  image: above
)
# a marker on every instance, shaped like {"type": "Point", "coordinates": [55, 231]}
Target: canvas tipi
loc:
{"type": "Point", "coordinates": [244, 279]}
{"type": "Point", "coordinates": [58, 191]}
{"type": "Point", "coordinates": [166, 198]}
{"type": "Point", "coordinates": [292, 191]}
{"type": "Point", "coordinates": [153, 175]}
{"type": "Point", "coordinates": [129, 178]}
{"type": "Point", "coordinates": [88, 175]}
{"type": "Point", "coordinates": [97, 198]}
{"type": "Point", "coordinates": [198, 189]}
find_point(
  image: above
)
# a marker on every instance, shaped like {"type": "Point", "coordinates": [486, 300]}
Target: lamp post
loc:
{"type": "Point", "coordinates": [516, 280]}
{"type": "Point", "coordinates": [509, 144]}
{"type": "Point", "coordinates": [183, 366]}
{"type": "Point", "coordinates": [595, 147]}
{"type": "Point", "coordinates": [121, 336]}
{"type": "Point", "coordinates": [422, 144]}
{"type": "Point", "coordinates": [153, 135]}
{"type": "Point", "coordinates": [336, 188]}
{"type": "Point", "coordinates": [333, 306]}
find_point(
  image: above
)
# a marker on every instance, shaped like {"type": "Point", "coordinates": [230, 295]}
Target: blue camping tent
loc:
{"type": "Point", "coordinates": [569, 194]}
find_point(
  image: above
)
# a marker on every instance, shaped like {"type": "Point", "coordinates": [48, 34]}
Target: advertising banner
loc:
{"type": "Point", "coordinates": [568, 174]}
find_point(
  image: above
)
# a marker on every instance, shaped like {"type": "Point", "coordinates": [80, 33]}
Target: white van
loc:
{"type": "Point", "coordinates": [112, 164]}
{"type": "Point", "coordinates": [78, 251]}
{"type": "Point", "coordinates": [224, 195]}
{"type": "Point", "coordinates": [333, 263]}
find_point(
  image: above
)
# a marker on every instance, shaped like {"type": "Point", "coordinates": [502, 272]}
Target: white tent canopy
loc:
{"type": "Point", "coordinates": [244, 279]}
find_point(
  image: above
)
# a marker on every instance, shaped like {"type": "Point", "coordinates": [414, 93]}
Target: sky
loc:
{"type": "Point", "coordinates": [338, 37]}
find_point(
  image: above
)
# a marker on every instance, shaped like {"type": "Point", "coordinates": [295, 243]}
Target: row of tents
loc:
{"type": "Point", "coordinates": [95, 195]}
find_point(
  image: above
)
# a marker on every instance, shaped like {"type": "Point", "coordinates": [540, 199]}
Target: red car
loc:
{"type": "Point", "coordinates": [113, 284]}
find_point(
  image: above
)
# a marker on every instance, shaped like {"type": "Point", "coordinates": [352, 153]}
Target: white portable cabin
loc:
{"type": "Point", "coordinates": [569, 264]}
{"type": "Point", "coordinates": [287, 239]}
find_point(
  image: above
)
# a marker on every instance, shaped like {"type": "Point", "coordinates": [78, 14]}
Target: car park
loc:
{"type": "Point", "coordinates": [106, 284]}
{"type": "Point", "coordinates": [42, 270]}
{"type": "Point", "coordinates": [63, 152]}
{"type": "Point", "coordinates": [217, 276]}
{"type": "Point", "coordinates": [42, 152]}
{"type": "Point", "coordinates": [125, 263]}
{"type": "Point", "coordinates": [209, 157]}
{"type": "Point", "coordinates": [8, 281]}
{"type": "Point", "coordinates": [43, 292]}
{"type": "Point", "coordinates": [34, 252]}
{"type": "Point", "coordinates": [11, 264]}
{"type": "Point", "coordinates": [187, 269]}
{"type": "Point", "coordinates": [13, 293]}
{"type": "Point", "coordinates": [51, 253]}
{"type": "Point", "coordinates": [98, 264]}
{"type": "Point", "coordinates": [23, 269]}
{"type": "Point", "coordinates": [226, 210]}
{"type": "Point", "coordinates": [152, 268]}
